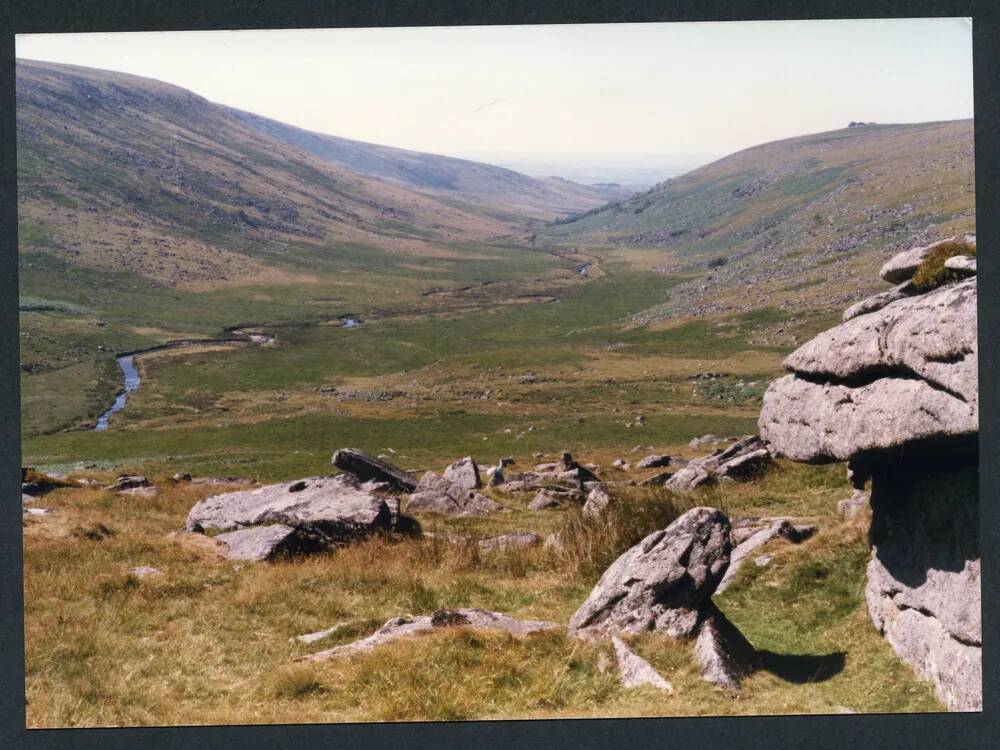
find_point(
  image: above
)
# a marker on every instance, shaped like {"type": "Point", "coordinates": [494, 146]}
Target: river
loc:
{"type": "Point", "coordinates": [131, 379]}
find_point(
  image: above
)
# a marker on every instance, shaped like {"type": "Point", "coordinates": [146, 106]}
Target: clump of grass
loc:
{"type": "Point", "coordinates": [932, 272]}
{"type": "Point", "coordinates": [296, 682]}
{"type": "Point", "coordinates": [95, 532]}
{"type": "Point", "coordinates": [587, 546]}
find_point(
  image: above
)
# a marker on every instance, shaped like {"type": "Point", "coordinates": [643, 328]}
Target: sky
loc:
{"type": "Point", "coordinates": [554, 99]}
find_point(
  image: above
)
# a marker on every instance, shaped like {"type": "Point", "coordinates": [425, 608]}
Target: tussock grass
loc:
{"type": "Point", "coordinates": [210, 641]}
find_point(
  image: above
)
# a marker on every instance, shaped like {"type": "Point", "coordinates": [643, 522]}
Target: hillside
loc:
{"type": "Point", "coordinates": [801, 222]}
{"type": "Point", "coordinates": [120, 172]}
{"type": "Point", "coordinates": [494, 188]}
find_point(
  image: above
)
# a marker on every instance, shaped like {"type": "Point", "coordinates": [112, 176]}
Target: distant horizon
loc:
{"type": "Point", "coordinates": [669, 96]}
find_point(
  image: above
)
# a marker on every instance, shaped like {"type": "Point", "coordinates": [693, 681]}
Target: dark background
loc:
{"type": "Point", "coordinates": [814, 732]}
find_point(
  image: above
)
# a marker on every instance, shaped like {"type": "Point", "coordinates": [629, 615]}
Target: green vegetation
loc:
{"type": "Point", "coordinates": [932, 273]}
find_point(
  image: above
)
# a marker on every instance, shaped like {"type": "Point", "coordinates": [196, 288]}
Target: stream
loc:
{"type": "Point", "coordinates": [131, 379]}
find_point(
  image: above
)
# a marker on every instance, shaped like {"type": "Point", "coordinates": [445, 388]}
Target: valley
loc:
{"type": "Point", "coordinates": [283, 294]}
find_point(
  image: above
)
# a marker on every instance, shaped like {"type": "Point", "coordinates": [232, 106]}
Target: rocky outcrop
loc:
{"type": "Point", "coordinates": [597, 501]}
{"type": "Point", "coordinates": [435, 494]}
{"type": "Point", "coordinates": [894, 391]}
{"type": "Point", "coordinates": [745, 459]}
{"type": "Point", "coordinates": [406, 627]}
{"type": "Point", "coordinates": [661, 583]}
{"type": "Point", "coordinates": [367, 468]}
{"type": "Point", "coordinates": [654, 461]}
{"type": "Point", "coordinates": [308, 515]}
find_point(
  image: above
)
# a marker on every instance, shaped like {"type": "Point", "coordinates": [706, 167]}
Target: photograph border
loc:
{"type": "Point", "coordinates": [953, 730]}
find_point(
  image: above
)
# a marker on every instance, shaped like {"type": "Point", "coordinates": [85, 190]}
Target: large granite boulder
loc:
{"type": "Point", "coordinates": [661, 583]}
{"type": "Point", "coordinates": [309, 515]}
{"type": "Point", "coordinates": [894, 391]}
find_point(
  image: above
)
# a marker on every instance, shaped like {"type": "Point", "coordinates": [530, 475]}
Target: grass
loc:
{"type": "Point", "coordinates": [208, 640]}
{"type": "Point", "coordinates": [931, 273]}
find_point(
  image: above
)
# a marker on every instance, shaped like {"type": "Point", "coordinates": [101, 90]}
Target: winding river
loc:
{"type": "Point", "coordinates": [131, 378]}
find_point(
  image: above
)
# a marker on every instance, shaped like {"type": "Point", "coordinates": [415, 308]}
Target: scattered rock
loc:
{"type": "Point", "coordinates": [620, 463]}
{"type": "Point", "coordinates": [127, 482]}
{"type": "Point", "coordinates": [435, 494]}
{"type": "Point", "coordinates": [464, 473]}
{"type": "Point", "coordinates": [597, 501]}
{"type": "Point", "coordinates": [145, 571]}
{"type": "Point", "coordinates": [634, 671]}
{"type": "Point", "coordinates": [182, 476]}
{"type": "Point", "coordinates": [403, 627]}
{"type": "Point", "coordinates": [745, 459]}
{"type": "Point", "coordinates": [512, 540]}
{"type": "Point", "coordinates": [661, 583]}
{"type": "Point", "coordinates": [140, 492]}
{"type": "Point", "coordinates": [657, 480]}
{"type": "Point", "coordinates": [552, 497]}
{"type": "Point", "coordinates": [366, 468]}
{"type": "Point", "coordinates": [654, 461]}
{"type": "Point", "coordinates": [37, 511]}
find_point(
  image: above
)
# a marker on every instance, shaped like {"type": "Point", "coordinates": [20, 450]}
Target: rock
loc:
{"type": "Point", "coordinates": [964, 264]}
{"type": "Point", "coordinates": [746, 465]}
{"type": "Point", "coordinates": [878, 301]}
{"type": "Point", "coordinates": [366, 468]}
{"type": "Point", "coordinates": [270, 543]}
{"type": "Point", "coordinates": [403, 627]}
{"type": "Point", "coordinates": [567, 468]}
{"type": "Point", "coordinates": [688, 478]}
{"type": "Point", "coordinates": [435, 494]}
{"type": "Point", "coordinates": [37, 511]}
{"type": "Point", "coordinates": [895, 393]}
{"type": "Point", "coordinates": [661, 583]}
{"type": "Point", "coordinates": [513, 540]}
{"type": "Point", "coordinates": [812, 422]}
{"type": "Point", "coordinates": [762, 561]}
{"type": "Point", "coordinates": [127, 482]}
{"type": "Point", "coordinates": [140, 492]}
{"type": "Point", "coordinates": [554, 542]}
{"type": "Point", "coordinates": [725, 655]}
{"type": "Point", "coordinates": [657, 480]}
{"type": "Point", "coordinates": [745, 459]}
{"type": "Point", "coordinates": [464, 473]}
{"type": "Point", "coordinates": [182, 477]}
{"type": "Point", "coordinates": [620, 463]}
{"type": "Point", "coordinates": [654, 461]}
{"type": "Point", "coordinates": [923, 588]}
{"type": "Point", "coordinates": [781, 527]}
{"type": "Point", "coordinates": [26, 499]}
{"type": "Point", "coordinates": [853, 506]}
{"type": "Point", "coordinates": [634, 671]}
{"type": "Point", "coordinates": [321, 634]}
{"type": "Point", "coordinates": [548, 498]}
{"type": "Point", "coordinates": [339, 509]}
{"type": "Point", "coordinates": [145, 571]}
{"type": "Point", "coordinates": [597, 501]}
{"type": "Point", "coordinates": [902, 266]}
{"type": "Point", "coordinates": [931, 337]}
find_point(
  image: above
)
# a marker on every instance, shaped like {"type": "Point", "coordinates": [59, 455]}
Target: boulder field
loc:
{"type": "Point", "coordinates": [894, 391]}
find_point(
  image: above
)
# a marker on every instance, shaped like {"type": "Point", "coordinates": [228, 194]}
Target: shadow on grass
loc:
{"type": "Point", "coordinates": [801, 669]}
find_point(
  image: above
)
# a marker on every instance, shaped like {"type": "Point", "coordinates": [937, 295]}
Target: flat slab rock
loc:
{"type": "Point", "coordinates": [435, 494]}
{"type": "Point", "coordinates": [663, 582]}
{"type": "Point", "coordinates": [268, 543]}
{"type": "Point", "coordinates": [341, 508]}
{"type": "Point", "coordinates": [370, 469]}
{"type": "Point", "coordinates": [780, 528]}
{"type": "Point", "coordinates": [406, 627]}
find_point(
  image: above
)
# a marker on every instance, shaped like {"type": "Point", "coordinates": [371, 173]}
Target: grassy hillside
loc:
{"type": "Point", "coordinates": [496, 190]}
{"type": "Point", "coordinates": [800, 222]}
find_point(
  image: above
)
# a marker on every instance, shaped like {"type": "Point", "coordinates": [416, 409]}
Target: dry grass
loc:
{"type": "Point", "coordinates": [208, 640]}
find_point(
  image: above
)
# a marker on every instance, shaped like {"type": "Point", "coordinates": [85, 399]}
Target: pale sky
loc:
{"type": "Point", "coordinates": [641, 94]}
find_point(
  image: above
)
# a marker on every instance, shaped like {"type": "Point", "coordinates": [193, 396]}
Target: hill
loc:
{"type": "Point", "coordinates": [816, 213]}
{"type": "Point", "coordinates": [496, 189]}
